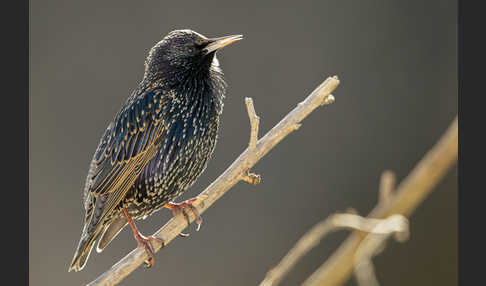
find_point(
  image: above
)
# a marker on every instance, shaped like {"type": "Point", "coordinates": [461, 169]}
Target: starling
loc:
{"type": "Point", "coordinates": [158, 143]}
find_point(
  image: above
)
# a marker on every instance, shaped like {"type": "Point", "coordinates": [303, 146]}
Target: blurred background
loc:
{"type": "Point", "coordinates": [398, 69]}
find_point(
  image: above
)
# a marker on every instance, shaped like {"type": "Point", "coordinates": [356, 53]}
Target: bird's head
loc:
{"type": "Point", "coordinates": [185, 52]}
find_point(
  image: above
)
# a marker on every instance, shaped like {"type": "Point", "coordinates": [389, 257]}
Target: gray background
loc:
{"type": "Point", "coordinates": [398, 69]}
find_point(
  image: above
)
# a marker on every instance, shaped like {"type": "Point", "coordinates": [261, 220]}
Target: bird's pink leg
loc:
{"type": "Point", "coordinates": [142, 240]}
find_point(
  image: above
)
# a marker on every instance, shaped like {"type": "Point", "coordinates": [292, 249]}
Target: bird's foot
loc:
{"type": "Point", "coordinates": [180, 207]}
{"type": "Point", "coordinates": [142, 240]}
{"type": "Point", "coordinates": [146, 243]}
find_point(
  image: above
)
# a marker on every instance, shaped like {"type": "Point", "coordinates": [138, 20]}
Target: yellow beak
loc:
{"type": "Point", "coordinates": [218, 43]}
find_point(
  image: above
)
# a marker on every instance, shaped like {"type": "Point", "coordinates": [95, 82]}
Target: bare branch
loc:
{"type": "Point", "coordinates": [254, 123]}
{"type": "Point", "coordinates": [224, 182]}
{"type": "Point", "coordinates": [248, 177]}
{"type": "Point", "coordinates": [318, 232]}
{"type": "Point", "coordinates": [364, 269]}
{"type": "Point", "coordinates": [387, 184]}
{"type": "Point", "coordinates": [365, 272]}
{"type": "Point", "coordinates": [409, 194]}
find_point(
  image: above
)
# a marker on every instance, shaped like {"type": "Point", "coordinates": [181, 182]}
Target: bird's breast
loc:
{"type": "Point", "coordinates": [191, 135]}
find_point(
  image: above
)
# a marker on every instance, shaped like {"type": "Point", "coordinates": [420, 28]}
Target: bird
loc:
{"type": "Point", "coordinates": [158, 143]}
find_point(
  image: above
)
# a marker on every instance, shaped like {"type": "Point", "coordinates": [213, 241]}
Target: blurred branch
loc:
{"type": "Point", "coordinates": [387, 185]}
{"type": "Point", "coordinates": [356, 253]}
{"type": "Point", "coordinates": [382, 228]}
{"type": "Point", "coordinates": [239, 170]}
{"type": "Point", "coordinates": [409, 194]}
{"type": "Point", "coordinates": [373, 243]}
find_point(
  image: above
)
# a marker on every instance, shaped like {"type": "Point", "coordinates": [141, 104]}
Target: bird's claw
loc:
{"type": "Point", "coordinates": [146, 243]}
{"type": "Point", "coordinates": [180, 207]}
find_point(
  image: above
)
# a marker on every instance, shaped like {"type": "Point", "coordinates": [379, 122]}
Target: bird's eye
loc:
{"type": "Point", "coordinates": [199, 44]}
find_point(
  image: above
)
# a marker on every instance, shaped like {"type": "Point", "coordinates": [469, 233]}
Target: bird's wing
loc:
{"type": "Point", "coordinates": [127, 145]}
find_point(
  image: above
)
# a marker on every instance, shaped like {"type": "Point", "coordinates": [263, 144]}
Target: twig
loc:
{"type": "Point", "coordinates": [225, 181]}
{"type": "Point", "coordinates": [385, 193]}
{"type": "Point", "coordinates": [251, 178]}
{"type": "Point", "coordinates": [364, 270]}
{"type": "Point", "coordinates": [248, 177]}
{"type": "Point", "coordinates": [409, 194]}
{"type": "Point", "coordinates": [254, 123]}
{"type": "Point", "coordinates": [318, 232]}
{"type": "Point", "coordinates": [387, 184]}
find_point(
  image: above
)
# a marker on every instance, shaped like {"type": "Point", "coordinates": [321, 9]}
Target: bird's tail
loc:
{"type": "Point", "coordinates": [92, 229]}
{"type": "Point", "coordinates": [110, 232]}
{"type": "Point", "coordinates": [83, 251]}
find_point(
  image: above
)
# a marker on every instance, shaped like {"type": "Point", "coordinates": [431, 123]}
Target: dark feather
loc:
{"type": "Point", "coordinates": [158, 143]}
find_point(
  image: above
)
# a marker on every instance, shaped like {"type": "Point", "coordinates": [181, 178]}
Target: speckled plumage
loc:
{"type": "Point", "coordinates": [159, 142]}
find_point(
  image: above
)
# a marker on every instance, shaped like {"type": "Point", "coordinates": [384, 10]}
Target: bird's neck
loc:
{"type": "Point", "coordinates": [206, 87]}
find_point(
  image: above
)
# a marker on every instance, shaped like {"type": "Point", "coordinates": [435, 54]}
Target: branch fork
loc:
{"type": "Point", "coordinates": [236, 172]}
{"type": "Point", "coordinates": [354, 254]}
{"type": "Point", "coordinates": [249, 177]}
{"type": "Point", "coordinates": [380, 228]}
